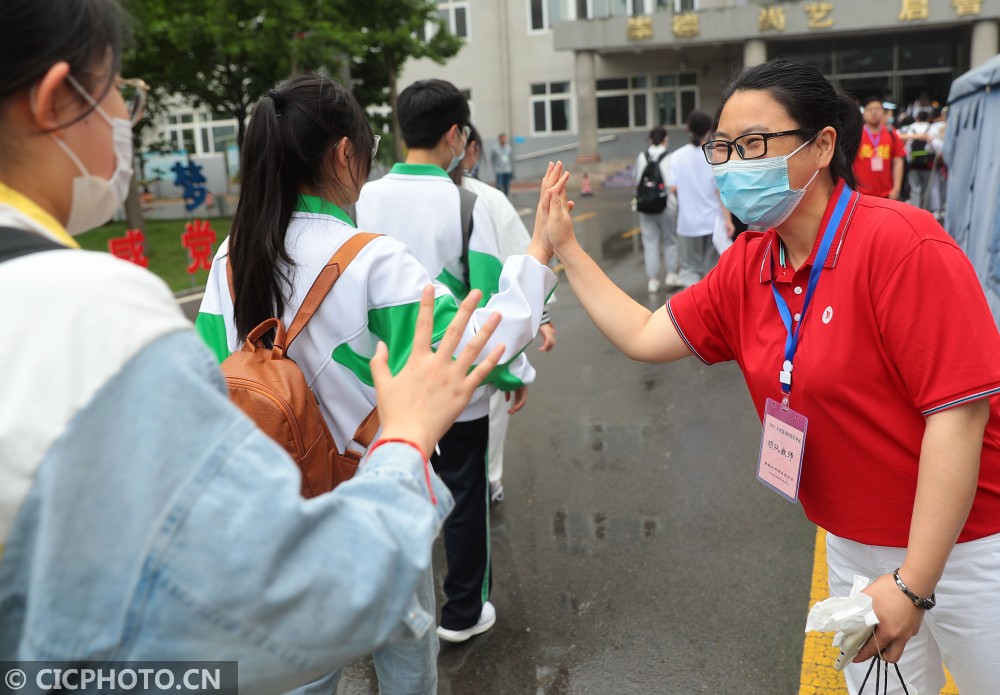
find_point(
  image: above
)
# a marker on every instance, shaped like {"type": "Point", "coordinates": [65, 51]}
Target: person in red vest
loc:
{"type": "Point", "coordinates": [878, 166]}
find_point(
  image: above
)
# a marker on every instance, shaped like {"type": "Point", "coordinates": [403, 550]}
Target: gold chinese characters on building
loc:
{"type": "Point", "coordinates": [914, 9]}
{"type": "Point", "coordinates": [818, 14]}
{"type": "Point", "coordinates": [686, 25]}
{"type": "Point", "coordinates": [640, 28]}
{"type": "Point", "coordinates": [771, 18]}
{"type": "Point", "coordinates": [967, 7]}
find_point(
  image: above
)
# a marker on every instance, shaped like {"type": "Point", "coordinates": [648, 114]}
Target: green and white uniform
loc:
{"type": "Point", "coordinates": [432, 228]}
{"type": "Point", "coordinates": [377, 298]}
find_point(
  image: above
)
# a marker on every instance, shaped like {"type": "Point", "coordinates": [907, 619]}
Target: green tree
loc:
{"type": "Point", "coordinates": [224, 54]}
{"type": "Point", "coordinates": [386, 34]}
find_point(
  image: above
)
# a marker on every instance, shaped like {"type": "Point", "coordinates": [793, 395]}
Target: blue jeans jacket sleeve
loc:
{"type": "Point", "coordinates": [164, 525]}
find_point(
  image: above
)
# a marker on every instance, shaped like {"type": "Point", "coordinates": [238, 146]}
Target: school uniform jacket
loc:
{"type": "Point", "coordinates": [376, 298]}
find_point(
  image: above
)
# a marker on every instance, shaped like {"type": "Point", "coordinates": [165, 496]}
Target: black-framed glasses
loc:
{"type": "Point", "coordinates": [748, 146]}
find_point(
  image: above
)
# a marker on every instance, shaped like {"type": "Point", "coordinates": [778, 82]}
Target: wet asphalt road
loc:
{"type": "Point", "coordinates": [635, 551]}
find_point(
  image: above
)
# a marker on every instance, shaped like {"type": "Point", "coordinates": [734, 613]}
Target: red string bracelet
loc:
{"type": "Point", "coordinates": [427, 463]}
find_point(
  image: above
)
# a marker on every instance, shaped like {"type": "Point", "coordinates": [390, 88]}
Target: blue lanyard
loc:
{"type": "Point", "coordinates": [792, 341]}
{"type": "Point", "coordinates": [875, 140]}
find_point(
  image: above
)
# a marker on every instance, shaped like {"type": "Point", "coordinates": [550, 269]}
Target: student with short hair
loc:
{"type": "Point", "coordinates": [417, 203]}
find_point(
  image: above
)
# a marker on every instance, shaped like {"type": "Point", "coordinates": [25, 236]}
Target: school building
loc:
{"type": "Point", "coordinates": [585, 80]}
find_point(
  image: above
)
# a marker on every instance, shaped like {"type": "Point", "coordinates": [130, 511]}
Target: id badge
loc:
{"type": "Point", "coordinates": [877, 163]}
{"type": "Point", "coordinates": [783, 439]}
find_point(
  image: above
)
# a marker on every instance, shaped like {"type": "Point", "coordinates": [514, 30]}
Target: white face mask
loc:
{"type": "Point", "coordinates": [95, 199]}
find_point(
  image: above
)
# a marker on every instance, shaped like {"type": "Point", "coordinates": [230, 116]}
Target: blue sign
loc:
{"type": "Point", "coordinates": [191, 179]}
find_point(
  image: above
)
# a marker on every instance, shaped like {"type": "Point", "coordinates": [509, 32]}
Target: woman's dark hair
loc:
{"type": "Point", "coordinates": [37, 34]}
{"type": "Point", "coordinates": [288, 145]}
{"type": "Point", "coordinates": [427, 110]}
{"type": "Point", "coordinates": [657, 135]}
{"type": "Point", "coordinates": [811, 101]}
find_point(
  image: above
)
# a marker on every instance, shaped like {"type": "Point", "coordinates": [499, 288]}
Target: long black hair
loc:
{"type": "Point", "coordinates": [811, 101]}
{"type": "Point", "coordinates": [288, 145]}
{"type": "Point", "coordinates": [37, 34]}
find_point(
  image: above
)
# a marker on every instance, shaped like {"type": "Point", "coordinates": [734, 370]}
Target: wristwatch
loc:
{"type": "Point", "coordinates": [918, 601]}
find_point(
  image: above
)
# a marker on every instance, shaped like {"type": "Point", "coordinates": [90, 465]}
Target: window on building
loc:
{"type": "Point", "coordinates": [550, 107]}
{"type": "Point", "coordinates": [542, 14]}
{"type": "Point", "coordinates": [454, 17]}
{"type": "Point", "coordinates": [681, 6]}
{"type": "Point", "coordinates": [200, 133]}
{"type": "Point", "coordinates": [624, 102]}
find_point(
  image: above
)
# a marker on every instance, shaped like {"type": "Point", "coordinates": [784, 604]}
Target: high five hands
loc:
{"type": "Point", "coordinates": [552, 193]}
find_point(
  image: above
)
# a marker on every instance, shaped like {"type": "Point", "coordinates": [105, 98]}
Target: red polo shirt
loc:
{"type": "Point", "coordinates": [885, 146]}
{"type": "Point", "coordinates": [898, 329]}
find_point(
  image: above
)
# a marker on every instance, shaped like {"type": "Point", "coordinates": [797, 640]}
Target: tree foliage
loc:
{"type": "Point", "coordinates": [225, 54]}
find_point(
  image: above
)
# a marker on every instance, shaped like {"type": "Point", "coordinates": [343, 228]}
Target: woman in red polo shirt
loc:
{"type": "Point", "coordinates": [871, 356]}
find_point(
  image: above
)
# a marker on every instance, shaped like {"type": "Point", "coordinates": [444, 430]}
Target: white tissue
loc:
{"type": "Point", "coordinates": [845, 615]}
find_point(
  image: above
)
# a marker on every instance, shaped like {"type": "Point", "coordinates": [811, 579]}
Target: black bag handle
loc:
{"type": "Point", "coordinates": [15, 243]}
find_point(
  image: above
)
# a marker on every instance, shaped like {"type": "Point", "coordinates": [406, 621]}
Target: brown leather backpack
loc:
{"type": "Point", "coordinates": [271, 389]}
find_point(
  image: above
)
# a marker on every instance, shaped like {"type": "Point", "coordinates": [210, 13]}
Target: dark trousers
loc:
{"type": "Point", "coordinates": [462, 466]}
{"type": "Point", "coordinates": [503, 183]}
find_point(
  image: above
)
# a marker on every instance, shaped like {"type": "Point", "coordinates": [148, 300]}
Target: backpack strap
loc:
{"type": "Point", "coordinates": [324, 282]}
{"type": "Point", "coordinates": [468, 202]}
{"type": "Point", "coordinates": [363, 435]}
{"type": "Point", "coordinates": [16, 242]}
{"type": "Point", "coordinates": [317, 293]}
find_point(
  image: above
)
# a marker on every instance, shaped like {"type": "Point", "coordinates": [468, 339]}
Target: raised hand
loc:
{"type": "Point", "coordinates": [422, 401]}
{"type": "Point", "coordinates": [558, 223]}
{"type": "Point", "coordinates": [540, 246]}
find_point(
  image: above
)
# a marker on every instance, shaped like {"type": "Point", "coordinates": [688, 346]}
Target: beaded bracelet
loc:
{"type": "Point", "coordinates": [427, 463]}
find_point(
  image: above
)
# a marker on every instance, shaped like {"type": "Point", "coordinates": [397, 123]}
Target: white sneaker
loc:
{"type": "Point", "coordinates": [487, 619]}
{"type": "Point", "coordinates": [496, 491]}
{"type": "Point", "coordinates": [672, 280]}
{"type": "Point", "coordinates": [653, 285]}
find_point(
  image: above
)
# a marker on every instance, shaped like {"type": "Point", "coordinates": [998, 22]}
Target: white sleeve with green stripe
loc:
{"type": "Point", "coordinates": [393, 280]}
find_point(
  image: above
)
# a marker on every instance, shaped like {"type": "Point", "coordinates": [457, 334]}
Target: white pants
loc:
{"type": "Point", "coordinates": [499, 419]}
{"type": "Point", "coordinates": [962, 631]}
{"type": "Point", "coordinates": [659, 235]}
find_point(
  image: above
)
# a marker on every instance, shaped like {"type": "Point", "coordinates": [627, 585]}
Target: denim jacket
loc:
{"type": "Point", "coordinates": [143, 517]}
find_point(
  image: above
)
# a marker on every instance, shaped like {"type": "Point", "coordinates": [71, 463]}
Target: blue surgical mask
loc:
{"type": "Point", "coordinates": [757, 191]}
{"type": "Point", "coordinates": [455, 161]}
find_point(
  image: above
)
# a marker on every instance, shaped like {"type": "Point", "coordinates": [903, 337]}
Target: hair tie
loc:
{"type": "Point", "coordinates": [279, 100]}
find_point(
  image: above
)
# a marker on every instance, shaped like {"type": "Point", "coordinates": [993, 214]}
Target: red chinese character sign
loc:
{"type": "Point", "coordinates": [129, 247]}
{"type": "Point", "coordinates": [198, 240]}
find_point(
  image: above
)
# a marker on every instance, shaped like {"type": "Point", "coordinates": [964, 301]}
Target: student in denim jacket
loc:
{"type": "Point", "coordinates": [142, 516]}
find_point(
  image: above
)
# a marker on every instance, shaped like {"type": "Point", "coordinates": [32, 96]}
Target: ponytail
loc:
{"type": "Point", "coordinates": [848, 139]}
{"type": "Point", "coordinates": [287, 147]}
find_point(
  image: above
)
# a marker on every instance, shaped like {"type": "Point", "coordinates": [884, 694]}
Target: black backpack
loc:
{"type": "Point", "coordinates": [651, 193]}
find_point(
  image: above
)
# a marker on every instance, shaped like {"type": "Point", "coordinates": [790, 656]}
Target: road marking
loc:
{"type": "Point", "coordinates": [818, 676]}
{"type": "Point", "coordinates": [188, 298]}
{"type": "Point", "coordinates": [558, 268]}
{"type": "Point", "coordinates": [630, 233]}
{"type": "Point", "coordinates": [584, 217]}
{"type": "Point", "coordinates": [524, 211]}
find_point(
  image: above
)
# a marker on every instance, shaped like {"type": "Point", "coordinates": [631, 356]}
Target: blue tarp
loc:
{"type": "Point", "coordinates": [972, 152]}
